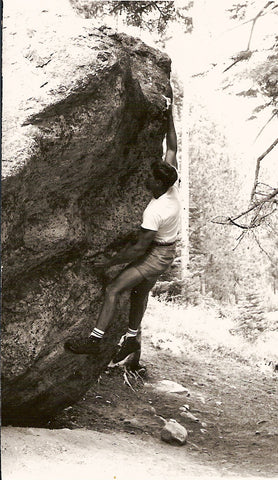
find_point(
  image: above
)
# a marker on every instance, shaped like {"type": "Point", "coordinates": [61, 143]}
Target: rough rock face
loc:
{"type": "Point", "coordinates": [83, 118]}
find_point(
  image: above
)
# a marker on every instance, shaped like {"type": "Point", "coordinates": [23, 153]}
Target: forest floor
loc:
{"type": "Point", "coordinates": [114, 431]}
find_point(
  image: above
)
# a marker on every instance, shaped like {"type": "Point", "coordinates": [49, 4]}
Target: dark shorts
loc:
{"type": "Point", "coordinates": [155, 261]}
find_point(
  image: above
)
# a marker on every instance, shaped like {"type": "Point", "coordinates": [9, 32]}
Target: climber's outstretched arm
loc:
{"type": "Point", "coordinates": [171, 140]}
{"type": "Point", "coordinates": [129, 253]}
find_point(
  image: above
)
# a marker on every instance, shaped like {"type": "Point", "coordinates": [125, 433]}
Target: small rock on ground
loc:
{"type": "Point", "coordinates": [173, 432]}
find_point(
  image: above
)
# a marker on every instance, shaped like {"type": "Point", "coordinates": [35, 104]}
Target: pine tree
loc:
{"type": "Point", "coordinates": [251, 321]}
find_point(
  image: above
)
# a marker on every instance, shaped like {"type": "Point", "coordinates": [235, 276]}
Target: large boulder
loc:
{"type": "Point", "coordinates": [84, 116]}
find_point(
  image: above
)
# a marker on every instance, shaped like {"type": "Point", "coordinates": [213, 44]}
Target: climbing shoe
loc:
{"type": "Point", "coordinates": [130, 345]}
{"type": "Point", "coordinates": [88, 345]}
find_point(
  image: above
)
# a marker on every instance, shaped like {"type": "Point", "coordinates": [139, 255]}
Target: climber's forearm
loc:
{"type": "Point", "coordinates": [126, 255]}
{"type": "Point", "coordinates": [171, 136]}
{"type": "Point", "coordinates": [171, 141]}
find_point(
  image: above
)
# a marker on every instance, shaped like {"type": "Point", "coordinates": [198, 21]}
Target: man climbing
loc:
{"type": "Point", "coordinates": [147, 259]}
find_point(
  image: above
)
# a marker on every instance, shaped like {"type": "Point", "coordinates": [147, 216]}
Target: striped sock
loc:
{"type": "Point", "coordinates": [131, 333]}
{"type": "Point", "coordinates": [97, 333]}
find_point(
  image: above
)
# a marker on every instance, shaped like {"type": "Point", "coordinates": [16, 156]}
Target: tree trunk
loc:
{"type": "Point", "coordinates": [184, 188]}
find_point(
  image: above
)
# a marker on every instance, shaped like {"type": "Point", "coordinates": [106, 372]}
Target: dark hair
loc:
{"type": "Point", "coordinates": [165, 172]}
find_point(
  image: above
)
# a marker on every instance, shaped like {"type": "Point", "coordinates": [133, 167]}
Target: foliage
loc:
{"type": "Point", "coordinates": [238, 11]}
{"type": "Point", "coordinates": [260, 72]}
{"type": "Point", "coordinates": [213, 188]}
{"type": "Point", "coordinates": [202, 327]}
{"type": "Point", "coordinates": [251, 320]}
{"type": "Point", "coordinates": [258, 221]}
{"type": "Point", "coordinates": [150, 15]}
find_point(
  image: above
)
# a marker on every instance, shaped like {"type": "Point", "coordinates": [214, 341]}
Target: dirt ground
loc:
{"type": "Point", "coordinates": [115, 429]}
{"type": "Point", "coordinates": [236, 403]}
{"type": "Point", "coordinates": [80, 454]}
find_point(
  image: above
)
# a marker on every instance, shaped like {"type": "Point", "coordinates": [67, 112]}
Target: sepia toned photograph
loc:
{"type": "Point", "coordinates": [139, 326]}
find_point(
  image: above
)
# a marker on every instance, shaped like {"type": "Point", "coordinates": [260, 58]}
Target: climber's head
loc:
{"type": "Point", "coordinates": [161, 178]}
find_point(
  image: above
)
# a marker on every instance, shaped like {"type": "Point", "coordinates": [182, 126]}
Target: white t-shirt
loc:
{"type": "Point", "coordinates": [162, 215]}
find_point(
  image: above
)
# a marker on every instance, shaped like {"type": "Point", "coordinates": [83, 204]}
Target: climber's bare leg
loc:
{"type": "Point", "coordinates": [138, 302]}
{"type": "Point", "coordinates": [126, 280]}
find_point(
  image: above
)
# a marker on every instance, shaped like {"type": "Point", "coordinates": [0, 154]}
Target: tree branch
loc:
{"type": "Point", "coordinates": [252, 19]}
{"type": "Point", "coordinates": [269, 120]}
{"type": "Point", "coordinates": [158, 8]}
{"type": "Point", "coordinates": [263, 250]}
{"type": "Point", "coordinates": [258, 164]}
{"type": "Point", "coordinates": [239, 239]}
{"type": "Point", "coordinates": [246, 54]}
{"type": "Point", "coordinates": [259, 205]}
{"type": "Point", "coordinates": [266, 199]}
{"type": "Point", "coordinates": [254, 22]}
{"type": "Point", "coordinates": [244, 227]}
